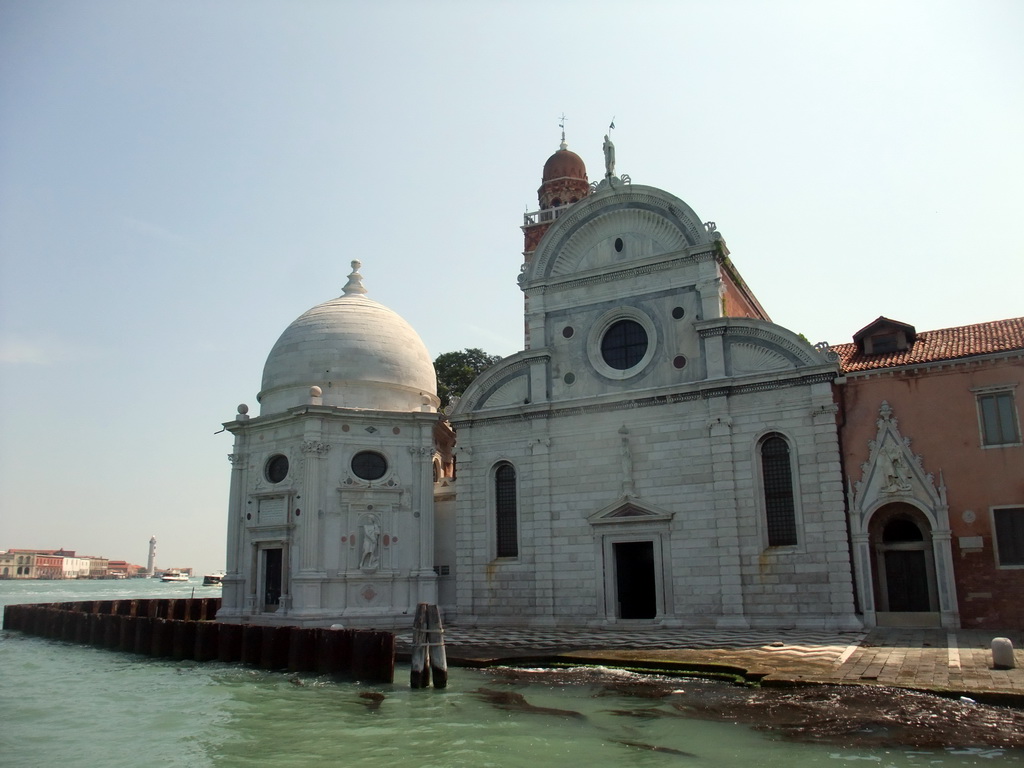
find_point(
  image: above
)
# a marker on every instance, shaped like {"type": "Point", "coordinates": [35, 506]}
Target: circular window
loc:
{"type": "Point", "coordinates": [369, 465]}
{"type": "Point", "coordinates": [276, 469]}
{"type": "Point", "coordinates": [678, 312]}
{"type": "Point", "coordinates": [679, 361]}
{"type": "Point", "coordinates": [568, 331]}
{"type": "Point", "coordinates": [624, 344]}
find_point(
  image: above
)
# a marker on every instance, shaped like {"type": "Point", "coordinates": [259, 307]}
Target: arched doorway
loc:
{"type": "Point", "coordinates": [903, 566]}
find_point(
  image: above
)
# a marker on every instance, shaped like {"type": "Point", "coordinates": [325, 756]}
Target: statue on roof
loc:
{"type": "Point", "coordinates": [609, 156]}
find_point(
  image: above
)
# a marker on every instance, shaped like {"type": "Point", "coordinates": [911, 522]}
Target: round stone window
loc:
{"type": "Point", "coordinates": [276, 468]}
{"type": "Point", "coordinates": [369, 465]}
{"type": "Point", "coordinates": [624, 345]}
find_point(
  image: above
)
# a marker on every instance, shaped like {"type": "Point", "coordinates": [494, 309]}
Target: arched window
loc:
{"type": "Point", "coordinates": [777, 481]}
{"type": "Point", "coordinates": [506, 523]}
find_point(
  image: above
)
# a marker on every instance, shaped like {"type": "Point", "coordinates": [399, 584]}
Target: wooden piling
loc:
{"type": "Point", "coordinates": [252, 640]}
{"type": "Point", "coordinates": [126, 633]}
{"type": "Point", "coordinates": [144, 635]}
{"type": "Point", "coordinates": [182, 629]}
{"type": "Point", "coordinates": [229, 643]}
{"type": "Point", "coordinates": [274, 648]}
{"type": "Point", "coordinates": [163, 638]}
{"type": "Point", "coordinates": [373, 656]}
{"type": "Point", "coordinates": [207, 637]}
{"type": "Point", "coordinates": [184, 640]}
{"type": "Point", "coordinates": [302, 650]}
{"type": "Point", "coordinates": [429, 659]}
{"type": "Point", "coordinates": [438, 655]}
{"type": "Point", "coordinates": [420, 674]}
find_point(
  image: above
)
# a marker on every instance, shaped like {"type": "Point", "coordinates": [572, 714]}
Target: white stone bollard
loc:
{"type": "Point", "coordinates": [1002, 653]}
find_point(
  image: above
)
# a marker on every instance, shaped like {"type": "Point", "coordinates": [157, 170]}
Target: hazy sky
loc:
{"type": "Point", "coordinates": [180, 180]}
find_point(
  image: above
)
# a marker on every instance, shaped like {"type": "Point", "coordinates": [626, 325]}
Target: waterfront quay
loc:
{"type": "Point", "coordinates": [950, 662]}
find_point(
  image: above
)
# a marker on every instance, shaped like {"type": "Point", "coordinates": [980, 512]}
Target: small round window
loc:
{"type": "Point", "coordinates": [624, 344]}
{"type": "Point", "coordinates": [369, 465]}
{"type": "Point", "coordinates": [276, 469]}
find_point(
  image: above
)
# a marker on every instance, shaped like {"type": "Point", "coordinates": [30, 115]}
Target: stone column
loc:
{"type": "Point", "coordinates": [727, 529]}
{"type": "Point", "coordinates": [423, 512]}
{"type": "Point", "coordinates": [311, 507]}
{"type": "Point", "coordinates": [538, 534]}
{"type": "Point", "coordinates": [234, 579]}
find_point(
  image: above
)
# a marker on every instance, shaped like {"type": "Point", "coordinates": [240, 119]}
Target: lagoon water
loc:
{"type": "Point", "coordinates": [62, 704]}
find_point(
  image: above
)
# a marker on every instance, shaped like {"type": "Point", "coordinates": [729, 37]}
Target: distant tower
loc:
{"type": "Point", "coordinates": [152, 556]}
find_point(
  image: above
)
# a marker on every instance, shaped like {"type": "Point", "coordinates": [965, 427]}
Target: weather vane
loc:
{"type": "Point", "coordinates": [561, 124]}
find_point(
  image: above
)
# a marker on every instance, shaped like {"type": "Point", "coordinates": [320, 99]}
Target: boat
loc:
{"type": "Point", "coordinates": [174, 576]}
{"type": "Point", "coordinates": [213, 579]}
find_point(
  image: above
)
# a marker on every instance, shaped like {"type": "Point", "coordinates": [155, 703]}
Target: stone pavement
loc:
{"type": "Point", "coordinates": [950, 662]}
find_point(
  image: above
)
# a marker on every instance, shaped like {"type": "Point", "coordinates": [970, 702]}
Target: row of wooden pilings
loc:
{"type": "Point", "coordinates": [184, 629]}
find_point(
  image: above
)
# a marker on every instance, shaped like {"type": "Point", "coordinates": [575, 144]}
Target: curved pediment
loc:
{"type": "Point", "coordinates": [755, 346]}
{"type": "Point", "coordinates": [615, 227]}
{"type": "Point", "coordinates": [503, 385]}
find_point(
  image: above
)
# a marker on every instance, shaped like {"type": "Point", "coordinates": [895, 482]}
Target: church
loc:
{"type": "Point", "coordinates": [659, 453]}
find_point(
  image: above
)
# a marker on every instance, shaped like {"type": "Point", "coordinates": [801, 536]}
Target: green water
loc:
{"type": "Point", "coordinates": [62, 704]}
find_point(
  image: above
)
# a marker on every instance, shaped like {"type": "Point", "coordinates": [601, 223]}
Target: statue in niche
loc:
{"type": "Point", "coordinates": [371, 545]}
{"type": "Point", "coordinates": [897, 475]}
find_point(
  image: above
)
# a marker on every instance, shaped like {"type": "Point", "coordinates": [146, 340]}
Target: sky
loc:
{"type": "Point", "coordinates": [181, 180]}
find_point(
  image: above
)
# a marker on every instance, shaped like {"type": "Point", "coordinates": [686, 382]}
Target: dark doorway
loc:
{"type": "Point", "coordinates": [272, 559]}
{"type": "Point", "coordinates": [906, 566]}
{"type": "Point", "coordinates": [634, 580]}
{"type": "Point", "coordinates": [906, 579]}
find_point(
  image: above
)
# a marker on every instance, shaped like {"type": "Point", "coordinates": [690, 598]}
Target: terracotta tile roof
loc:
{"type": "Point", "coordinates": [945, 344]}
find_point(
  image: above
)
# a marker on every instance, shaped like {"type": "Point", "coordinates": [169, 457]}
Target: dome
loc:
{"type": "Point", "coordinates": [358, 352]}
{"type": "Point", "coordinates": [564, 164]}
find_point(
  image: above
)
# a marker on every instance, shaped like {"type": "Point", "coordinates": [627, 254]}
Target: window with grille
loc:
{"type": "Point", "coordinates": [777, 479]}
{"type": "Point", "coordinates": [998, 419]}
{"type": "Point", "coordinates": [624, 344]}
{"type": "Point", "coordinates": [1009, 525]}
{"type": "Point", "coordinates": [505, 511]}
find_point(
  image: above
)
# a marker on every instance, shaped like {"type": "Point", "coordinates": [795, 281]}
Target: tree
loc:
{"type": "Point", "coordinates": [456, 371]}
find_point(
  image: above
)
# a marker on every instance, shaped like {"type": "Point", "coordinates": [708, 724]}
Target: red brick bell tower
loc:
{"type": "Point", "coordinates": [563, 183]}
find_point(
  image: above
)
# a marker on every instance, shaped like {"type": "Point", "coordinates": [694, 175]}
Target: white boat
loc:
{"type": "Point", "coordinates": [174, 576]}
{"type": "Point", "coordinates": [213, 579]}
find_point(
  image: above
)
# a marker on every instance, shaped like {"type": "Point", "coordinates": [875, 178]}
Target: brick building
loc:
{"type": "Point", "coordinates": [932, 451]}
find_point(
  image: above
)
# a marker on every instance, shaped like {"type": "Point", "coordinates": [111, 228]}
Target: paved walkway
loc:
{"type": "Point", "coordinates": [952, 662]}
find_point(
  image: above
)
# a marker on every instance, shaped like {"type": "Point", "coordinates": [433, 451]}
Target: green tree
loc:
{"type": "Point", "coordinates": [456, 371]}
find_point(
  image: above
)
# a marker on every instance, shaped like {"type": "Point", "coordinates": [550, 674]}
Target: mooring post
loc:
{"type": "Point", "coordinates": [1002, 653]}
{"type": "Point", "coordinates": [438, 655]}
{"type": "Point", "coordinates": [420, 675]}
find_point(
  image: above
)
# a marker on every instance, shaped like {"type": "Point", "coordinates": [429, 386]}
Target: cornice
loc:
{"type": "Point", "coordinates": [706, 391]}
{"type": "Point", "coordinates": [990, 358]}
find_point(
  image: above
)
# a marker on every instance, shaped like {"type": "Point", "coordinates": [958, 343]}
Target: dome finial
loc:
{"type": "Point", "coordinates": [561, 124]}
{"type": "Point", "coordinates": [355, 280]}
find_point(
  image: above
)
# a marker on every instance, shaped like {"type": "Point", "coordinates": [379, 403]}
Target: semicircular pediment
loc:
{"type": "Point", "coordinates": [614, 228]}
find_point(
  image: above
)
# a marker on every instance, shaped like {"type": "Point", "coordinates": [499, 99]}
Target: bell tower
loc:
{"type": "Point", "coordinates": [563, 183]}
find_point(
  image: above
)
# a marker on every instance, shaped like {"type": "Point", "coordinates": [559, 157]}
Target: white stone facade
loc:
{"type": "Point", "coordinates": [638, 491]}
{"type": "Point", "coordinates": [645, 459]}
{"type": "Point", "coordinates": [331, 515]}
